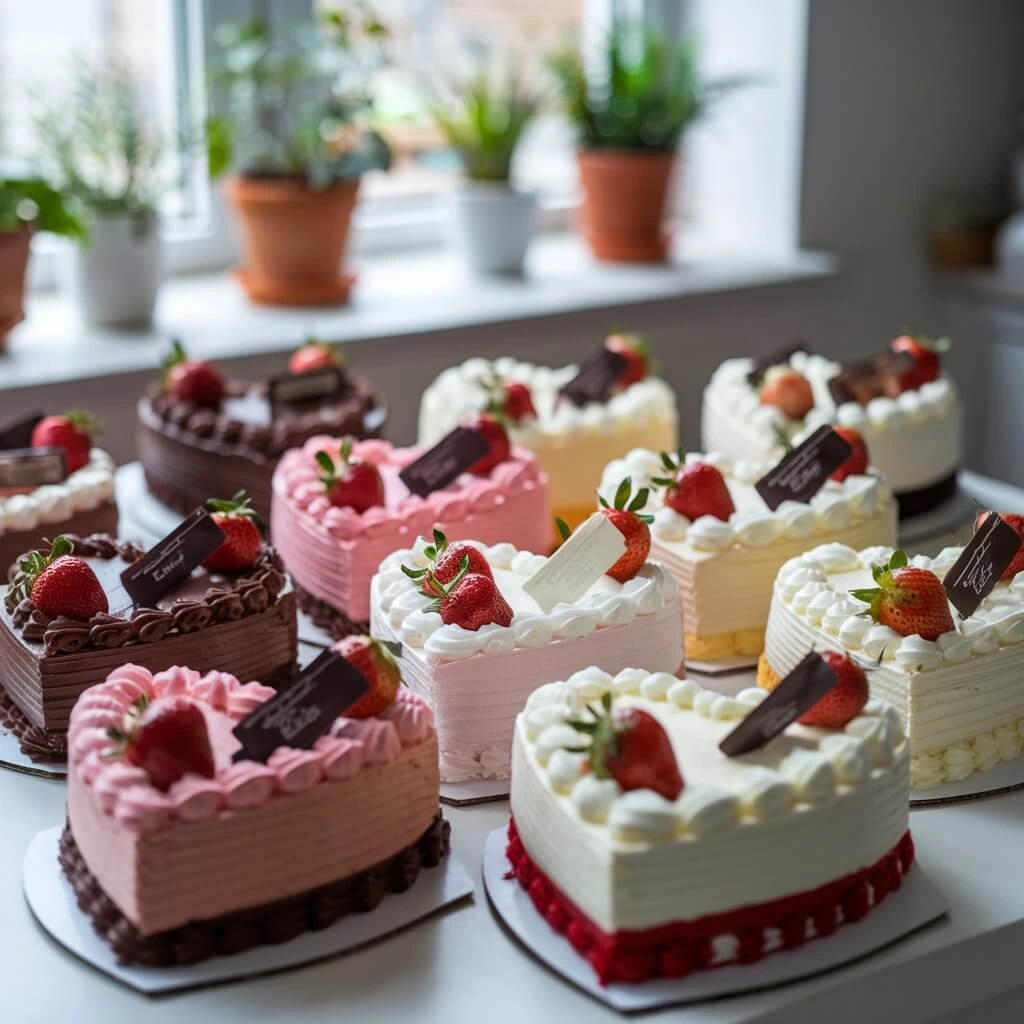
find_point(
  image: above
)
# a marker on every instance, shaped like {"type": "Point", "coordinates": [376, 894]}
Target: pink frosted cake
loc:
{"type": "Point", "coordinates": [332, 551]}
{"type": "Point", "coordinates": [206, 866]}
{"type": "Point", "coordinates": [477, 678]}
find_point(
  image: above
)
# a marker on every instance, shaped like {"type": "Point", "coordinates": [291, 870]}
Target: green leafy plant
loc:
{"type": "Point", "coordinates": [484, 119]}
{"type": "Point", "coordinates": [298, 107]}
{"type": "Point", "coordinates": [645, 95]}
{"type": "Point", "coordinates": [100, 145]}
{"type": "Point", "coordinates": [31, 201]}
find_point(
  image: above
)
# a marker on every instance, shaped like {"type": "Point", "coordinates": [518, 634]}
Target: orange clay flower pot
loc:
{"type": "Point", "coordinates": [294, 239]}
{"type": "Point", "coordinates": [14, 248]}
{"type": "Point", "coordinates": [624, 193]}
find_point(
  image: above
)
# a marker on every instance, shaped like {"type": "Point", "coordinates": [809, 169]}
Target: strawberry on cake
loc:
{"type": "Point", "coordinates": [714, 533]}
{"type": "Point", "coordinates": [573, 433]}
{"type": "Point", "coordinates": [900, 402]}
{"type": "Point", "coordinates": [475, 643]}
{"type": "Point", "coordinates": [341, 507]}
{"type": "Point", "coordinates": [656, 855]}
{"type": "Point", "coordinates": [180, 846]}
{"type": "Point", "coordinates": [196, 426]}
{"type": "Point", "coordinates": [954, 682]}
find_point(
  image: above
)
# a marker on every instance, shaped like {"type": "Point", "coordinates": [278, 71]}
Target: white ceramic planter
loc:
{"type": "Point", "coordinates": [115, 276]}
{"type": "Point", "coordinates": [494, 224]}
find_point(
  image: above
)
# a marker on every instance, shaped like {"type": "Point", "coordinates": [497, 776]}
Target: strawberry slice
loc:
{"type": "Point", "coordinates": [625, 514]}
{"type": "Point", "coordinates": [192, 380]}
{"type": "Point", "coordinates": [1017, 522]}
{"type": "Point", "coordinates": [243, 532]}
{"type": "Point", "coordinates": [845, 701]}
{"type": "Point", "coordinates": [630, 746]}
{"type": "Point", "coordinates": [73, 431]}
{"type": "Point", "coordinates": [357, 484]}
{"type": "Point", "coordinates": [58, 583]}
{"type": "Point", "coordinates": [907, 599]}
{"type": "Point", "coordinates": [379, 667]}
{"type": "Point", "coordinates": [695, 489]}
{"type": "Point", "coordinates": [446, 561]}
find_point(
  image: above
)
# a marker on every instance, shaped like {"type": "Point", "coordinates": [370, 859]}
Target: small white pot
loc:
{"type": "Point", "coordinates": [116, 274]}
{"type": "Point", "coordinates": [494, 224]}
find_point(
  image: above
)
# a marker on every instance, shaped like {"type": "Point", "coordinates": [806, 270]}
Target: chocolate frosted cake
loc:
{"type": "Point", "coordinates": [242, 623]}
{"type": "Point", "coordinates": [184, 446]}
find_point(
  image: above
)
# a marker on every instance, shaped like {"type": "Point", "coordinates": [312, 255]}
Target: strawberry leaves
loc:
{"type": "Point", "coordinates": [239, 504]}
{"type": "Point", "coordinates": [626, 501]}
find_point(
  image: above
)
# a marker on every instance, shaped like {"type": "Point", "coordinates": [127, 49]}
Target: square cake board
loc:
{"type": "Point", "coordinates": [52, 903]}
{"type": "Point", "coordinates": [475, 791]}
{"type": "Point", "coordinates": [917, 903]}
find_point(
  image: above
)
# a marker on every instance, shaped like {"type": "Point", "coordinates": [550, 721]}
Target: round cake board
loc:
{"type": "Point", "coordinates": [948, 518]}
{"type": "Point", "coordinates": [53, 904]}
{"type": "Point", "coordinates": [917, 903]}
{"type": "Point", "coordinates": [143, 517]}
{"type": "Point", "coordinates": [1003, 778]}
{"type": "Point", "coordinates": [15, 759]}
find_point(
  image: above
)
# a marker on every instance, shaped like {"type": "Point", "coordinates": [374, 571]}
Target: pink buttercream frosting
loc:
{"type": "Point", "coordinates": [123, 792]}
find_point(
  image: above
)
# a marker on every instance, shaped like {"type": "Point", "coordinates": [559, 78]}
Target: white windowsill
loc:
{"type": "Point", "coordinates": [397, 295]}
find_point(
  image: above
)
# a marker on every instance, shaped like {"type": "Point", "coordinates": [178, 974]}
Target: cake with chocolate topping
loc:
{"type": "Point", "coordinates": [66, 621]}
{"type": "Point", "coordinates": [195, 426]}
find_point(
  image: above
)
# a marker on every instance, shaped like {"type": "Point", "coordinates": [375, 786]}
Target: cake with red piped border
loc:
{"type": "Point", "coordinates": [656, 855]}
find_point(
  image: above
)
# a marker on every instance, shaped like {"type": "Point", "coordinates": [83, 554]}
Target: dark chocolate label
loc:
{"type": "Point", "coordinates": [295, 388]}
{"type": "Point", "coordinates": [797, 693]}
{"type": "Point", "coordinates": [32, 467]}
{"type": "Point", "coordinates": [439, 466]}
{"type": "Point", "coordinates": [876, 377]}
{"type": "Point", "coordinates": [17, 431]}
{"type": "Point", "coordinates": [172, 559]}
{"type": "Point", "coordinates": [299, 716]}
{"type": "Point", "coordinates": [779, 357]}
{"type": "Point", "coordinates": [981, 563]}
{"type": "Point", "coordinates": [598, 374]}
{"type": "Point", "coordinates": [803, 472]}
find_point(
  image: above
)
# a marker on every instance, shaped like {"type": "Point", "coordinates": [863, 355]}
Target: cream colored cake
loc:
{"type": "Point", "coordinates": [960, 696]}
{"type": "Point", "coordinates": [725, 570]}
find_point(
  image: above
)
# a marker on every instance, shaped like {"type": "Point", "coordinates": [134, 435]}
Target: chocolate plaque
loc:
{"type": "Point", "coordinates": [17, 431]}
{"type": "Point", "coordinates": [804, 470]}
{"type": "Point", "coordinates": [981, 563]}
{"type": "Point", "coordinates": [439, 466]}
{"type": "Point", "coordinates": [778, 357]}
{"type": "Point", "coordinates": [797, 693]}
{"type": "Point", "coordinates": [172, 559]}
{"type": "Point", "coordinates": [299, 716]}
{"type": "Point", "coordinates": [876, 377]}
{"type": "Point", "coordinates": [598, 374]}
{"type": "Point", "coordinates": [296, 388]}
{"type": "Point", "coordinates": [32, 467]}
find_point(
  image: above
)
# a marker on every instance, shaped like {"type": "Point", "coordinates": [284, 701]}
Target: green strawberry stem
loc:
{"type": "Point", "coordinates": [883, 576]}
{"type": "Point", "coordinates": [31, 566]}
{"type": "Point", "coordinates": [563, 528]}
{"type": "Point", "coordinates": [175, 356]}
{"type": "Point", "coordinates": [439, 589]}
{"type": "Point", "coordinates": [240, 504]}
{"type": "Point", "coordinates": [433, 552]}
{"type": "Point", "coordinates": [626, 501]}
{"type": "Point", "coordinates": [85, 421]}
{"type": "Point", "coordinates": [600, 729]}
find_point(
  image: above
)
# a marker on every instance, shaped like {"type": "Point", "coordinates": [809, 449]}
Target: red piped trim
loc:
{"type": "Point", "coordinates": [682, 947]}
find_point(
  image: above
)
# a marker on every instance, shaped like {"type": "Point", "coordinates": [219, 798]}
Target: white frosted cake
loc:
{"type": "Point", "coordinates": [725, 569]}
{"type": "Point", "coordinates": [960, 696]}
{"type": "Point", "coordinates": [572, 444]}
{"type": "Point", "coordinates": [477, 680]}
{"type": "Point", "coordinates": [913, 438]}
{"type": "Point", "coordinates": [756, 854]}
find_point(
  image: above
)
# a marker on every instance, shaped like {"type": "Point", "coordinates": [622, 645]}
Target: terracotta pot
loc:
{"type": "Point", "coordinates": [294, 239]}
{"type": "Point", "coordinates": [624, 194]}
{"type": "Point", "coordinates": [14, 247]}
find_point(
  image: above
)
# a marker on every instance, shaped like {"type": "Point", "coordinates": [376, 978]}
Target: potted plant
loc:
{"type": "Point", "coordinates": [105, 154]}
{"type": "Point", "coordinates": [27, 205]}
{"type": "Point", "coordinates": [293, 131]}
{"type": "Point", "coordinates": [483, 119]}
{"type": "Point", "coordinates": [629, 116]}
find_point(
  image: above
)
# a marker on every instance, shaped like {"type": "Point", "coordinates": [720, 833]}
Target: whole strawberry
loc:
{"type": "Point", "coordinates": [167, 738]}
{"type": "Point", "coordinates": [58, 583]}
{"type": "Point", "coordinates": [499, 448]}
{"type": "Point", "coordinates": [695, 489]}
{"type": "Point", "coordinates": [926, 354]}
{"type": "Point", "coordinates": [1017, 522]}
{"type": "Point", "coordinates": [446, 563]}
{"type": "Point", "coordinates": [788, 391]}
{"type": "Point", "coordinates": [192, 380]}
{"type": "Point", "coordinates": [356, 484]}
{"type": "Point", "coordinates": [314, 354]}
{"type": "Point", "coordinates": [907, 599]}
{"type": "Point", "coordinates": [73, 431]}
{"type": "Point", "coordinates": [471, 600]}
{"type": "Point", "coordinates": [857, 463]}
{"type": "Point", "coordinates": [379, 667]}
{"type": "Point", "coordinates": [630, 746]}
{"type": "Point", "coordinates": [636, 350]}
{"type": "Point", "coordinates": [243, 534]}
{"type": "Point", "coordinates": [626, 516]}
{"type": "Point", "coordinates": [509, 401]}
{"type": "Point", "coordinates": [845, 701]}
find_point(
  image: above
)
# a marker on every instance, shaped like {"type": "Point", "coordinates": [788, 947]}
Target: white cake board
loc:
{"type": "Point", "coordinates": [722, 666]}
{"type": "Point", "coordinates": [1003, 777]}
{"type": "Point", "coordinates": [475, 791]}
{"type": "Point", "coordinates": [53, 903]}
{"type": "Point", "coordinates": [15, 759]}
{"type": "Point", "coordinates": [948, 517]}
{"type": "Point", "coordinates": [917, 903]}
{"type": "Point", "coordinates": [142, 517]}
